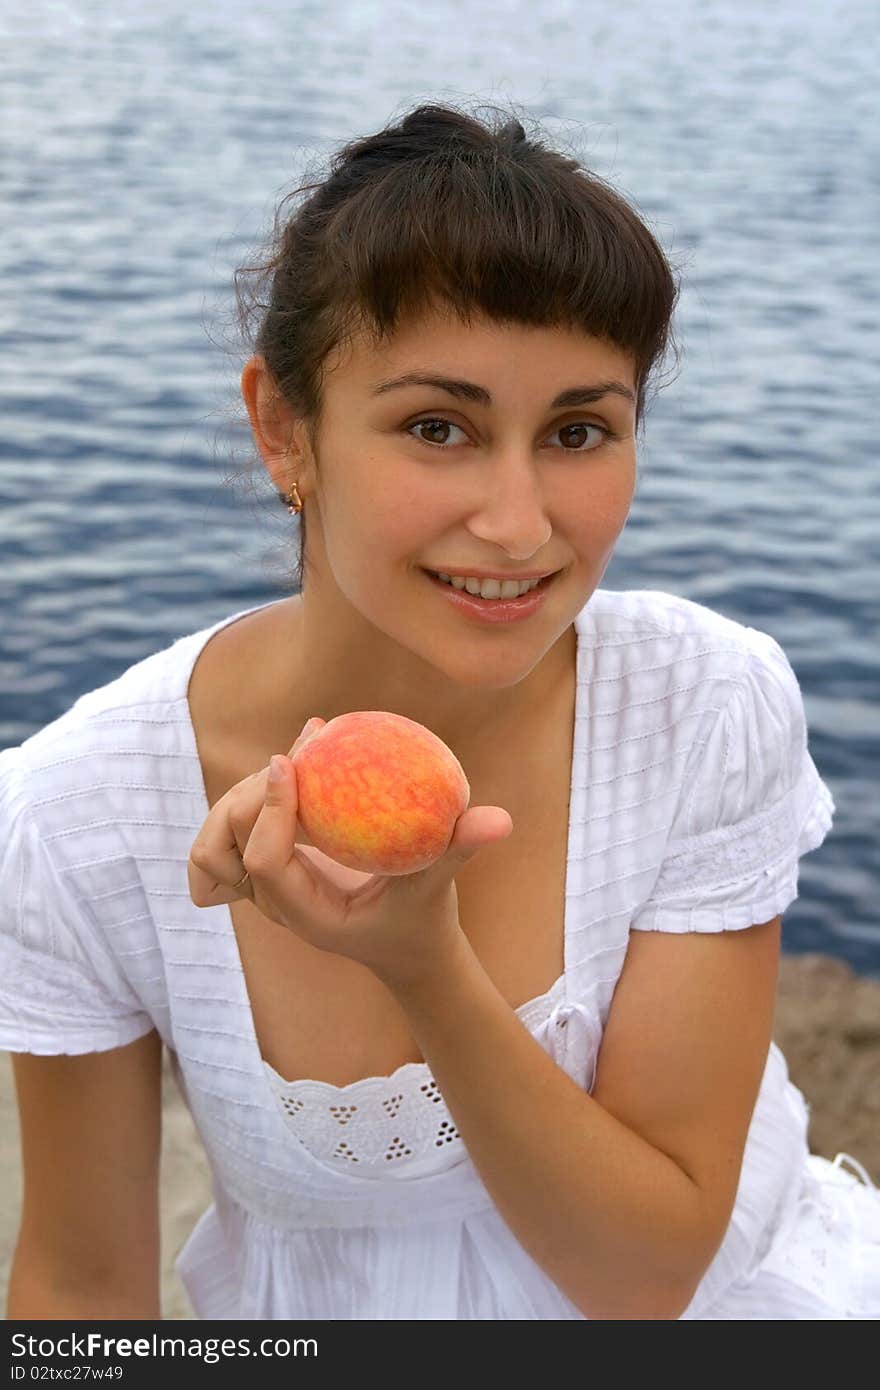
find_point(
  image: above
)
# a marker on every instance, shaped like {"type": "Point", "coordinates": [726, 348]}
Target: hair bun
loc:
{"type": "Point", "coordinates": [436, 121]}
{"type": "Point", "coordinates": [513, 131]}
{"type": "Point", "coordinates": [421, 133]}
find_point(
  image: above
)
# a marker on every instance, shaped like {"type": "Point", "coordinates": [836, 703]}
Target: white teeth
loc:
{"type": "Point", "coordinates": [491, 588]}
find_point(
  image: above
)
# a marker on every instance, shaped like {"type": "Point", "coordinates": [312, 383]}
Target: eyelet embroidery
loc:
{"type": "Point", "coordinates": [383, 1122]}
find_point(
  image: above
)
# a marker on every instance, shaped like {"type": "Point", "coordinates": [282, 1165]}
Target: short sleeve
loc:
{"type": "Point", "coordinates": [752, 803]}
{"type": "Point", "coordinates": [60, 991]}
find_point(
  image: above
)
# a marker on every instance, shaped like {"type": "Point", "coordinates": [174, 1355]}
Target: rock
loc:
{"type": "Point", "coordinates": [828, 1027]}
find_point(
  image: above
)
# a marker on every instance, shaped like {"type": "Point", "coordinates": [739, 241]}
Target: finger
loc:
{"type": "Point", "coordinates": [276, 862]}
{"type": "Point", "coordinates": [475, 828]}
{"type": "Point", "coordinates": [215, 863]}
{"type": "Point", "coordinates": [272, 840]}
{"type": "Point", "coordinates": [311, 726]}
{"type": "Point", "coordinates": [206, 890]}
{"type": "Point", "coordinates": [479, 826]}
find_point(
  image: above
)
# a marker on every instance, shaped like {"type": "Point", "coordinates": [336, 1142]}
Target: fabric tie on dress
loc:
{"type": "Point", "coordinates": [837, 1162]}
{"type": "Point", "coordinates": [573, 1039]}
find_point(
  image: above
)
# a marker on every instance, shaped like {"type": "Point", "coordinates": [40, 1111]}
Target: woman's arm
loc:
{"type": "Point", "coordinates": [622, 1196]}
{"type": "Point", "coordinates": [88, 1243]}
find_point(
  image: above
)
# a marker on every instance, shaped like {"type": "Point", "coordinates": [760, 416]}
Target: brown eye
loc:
{"type": "Point", "coordinates": [435, 426]}
{"type": "Point", "coordinates": [576, 434]}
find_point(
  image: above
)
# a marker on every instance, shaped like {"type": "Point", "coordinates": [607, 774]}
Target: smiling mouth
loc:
{"type": "Point", "coordinates": [516, 598]}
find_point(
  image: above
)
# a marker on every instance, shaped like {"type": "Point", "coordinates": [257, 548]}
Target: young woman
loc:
{"type": "Point", "coordinates": [537, 1079]}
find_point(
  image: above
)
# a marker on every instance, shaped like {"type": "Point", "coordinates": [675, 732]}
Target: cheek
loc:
{"type": "Point", "coordinates": [603, 514]}
{"type": "Point", "coordinates": [613, 497]}
{"type": "Point", "coordinates": [374, 511]}
{"type": "Point", "coordinates": [399, 517]}
{"type": "Point", "coordinates": [384, 539]}
{"type": "Point", "coordinates": [597, 519]}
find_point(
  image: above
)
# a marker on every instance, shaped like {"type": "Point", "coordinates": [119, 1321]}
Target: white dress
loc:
{"type": "Point", "coordinates": [692, 796]}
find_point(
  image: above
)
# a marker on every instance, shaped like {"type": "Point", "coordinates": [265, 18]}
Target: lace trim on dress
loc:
{"type": "Point", "coordinates": [378, 1121]}
{"type": "Point", "coordinates": [385, 1125]}
{"type": "Point", "coordinates": [734, 855]}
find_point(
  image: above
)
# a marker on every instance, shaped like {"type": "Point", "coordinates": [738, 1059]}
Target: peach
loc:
{"type": "Point", "coordinates": [379, 792]}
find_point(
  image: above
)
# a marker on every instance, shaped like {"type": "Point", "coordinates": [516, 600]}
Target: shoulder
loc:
{"type": "Point", "coordinates": [115, 724]}
{"type": "Point", "coordinates": [687, 717]}
{"type": "Point", "coordinates": [659, 647]}
{"type": "Point", "coordinates": [93, 806]}
{"type": "Point", "coordinates": [118, 731]}
{"type": "Point", "coordinates": [654, 614]}
{"type": "Point", "coordinates": [108, 777]}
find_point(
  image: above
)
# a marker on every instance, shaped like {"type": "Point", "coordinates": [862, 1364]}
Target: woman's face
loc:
{"type": "Point", "coordinates": [492, 477]}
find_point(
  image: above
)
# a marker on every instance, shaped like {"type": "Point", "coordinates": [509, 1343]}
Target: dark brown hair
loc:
{"type": "Point", "coordinates": [441, 207]}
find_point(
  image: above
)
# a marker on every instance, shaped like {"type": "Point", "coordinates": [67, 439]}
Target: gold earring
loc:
{"type": "Point", "coordinates": [294, 506]}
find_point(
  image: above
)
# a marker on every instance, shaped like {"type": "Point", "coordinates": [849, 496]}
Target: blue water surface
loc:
{"type": "Point", "coordinates": [144, 150]}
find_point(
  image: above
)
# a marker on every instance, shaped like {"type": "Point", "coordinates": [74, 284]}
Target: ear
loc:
{"type": "Point", "coordinates": [280, 437]}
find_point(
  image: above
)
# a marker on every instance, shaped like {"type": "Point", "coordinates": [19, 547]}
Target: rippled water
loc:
{"type": "Point", "coordinates": [144, 150]}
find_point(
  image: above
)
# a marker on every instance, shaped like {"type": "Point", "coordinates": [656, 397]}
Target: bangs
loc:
{"type": "Point", "coordinates": [503, 244]}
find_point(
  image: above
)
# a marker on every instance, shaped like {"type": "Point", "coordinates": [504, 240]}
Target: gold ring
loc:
{"type": "Point", "coordinates": [241, 880]}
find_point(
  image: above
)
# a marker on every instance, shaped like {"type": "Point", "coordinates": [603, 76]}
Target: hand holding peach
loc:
{"type": "Point", "coordinates": [394, 798]}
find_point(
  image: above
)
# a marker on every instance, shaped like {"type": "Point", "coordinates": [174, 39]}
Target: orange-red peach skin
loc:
{"type": "Point", "coordinates": [379, 792]}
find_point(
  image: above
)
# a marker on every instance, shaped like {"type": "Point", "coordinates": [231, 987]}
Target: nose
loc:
{"type": "Point", "coordinates": [513, 514]}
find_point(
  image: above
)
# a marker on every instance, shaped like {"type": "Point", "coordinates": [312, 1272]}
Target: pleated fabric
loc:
{"type": "Point", "coordinates": [693, 796]}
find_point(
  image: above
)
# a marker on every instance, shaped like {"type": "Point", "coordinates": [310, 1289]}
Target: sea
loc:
{"type": "Point", "coordinates": [144, 151]}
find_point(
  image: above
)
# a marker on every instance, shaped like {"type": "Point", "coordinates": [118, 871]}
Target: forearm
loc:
{"type": "Point", "coordinates": [37, 1293]}
{"type": "Point", "coordinates": [615, 1223]}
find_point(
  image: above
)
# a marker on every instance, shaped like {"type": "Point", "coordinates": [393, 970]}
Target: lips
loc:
{"type": "Point", "coordinates": [541, 584]}
{"type": "Point", "coordinates": [531, 599]}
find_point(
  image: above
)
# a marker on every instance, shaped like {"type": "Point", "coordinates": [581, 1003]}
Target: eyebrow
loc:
{"type": "Point", "coordinates": [469, 391]}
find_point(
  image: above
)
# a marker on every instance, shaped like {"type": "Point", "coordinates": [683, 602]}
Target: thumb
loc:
{"type": "Point", "coordinates": [476, 827]}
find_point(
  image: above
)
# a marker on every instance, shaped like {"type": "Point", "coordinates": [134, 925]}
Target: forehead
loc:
{"type": "Point", "coordinates": [487, 351]}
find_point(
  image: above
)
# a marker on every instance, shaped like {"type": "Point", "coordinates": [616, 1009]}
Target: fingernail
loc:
{"type": "Point", "coordinates": [276, 769]}
{"type": "Point", "coordinates": [309, 725]}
